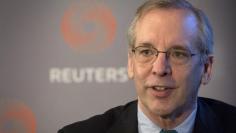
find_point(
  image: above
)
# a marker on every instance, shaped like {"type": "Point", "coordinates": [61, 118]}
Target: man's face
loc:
{"type": "Point", "coordinates": [165, 88]}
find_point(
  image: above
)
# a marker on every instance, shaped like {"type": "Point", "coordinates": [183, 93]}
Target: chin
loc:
{"type": "Point", "coordinates": [164, 112]}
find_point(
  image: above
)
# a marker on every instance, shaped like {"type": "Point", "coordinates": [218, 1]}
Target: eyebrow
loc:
{"type": "Point", "coordinates": [176, 46]}
{"type": "Point", "coordinates": [146, 44]}
{"type": "Point", "coordinates": [179, 47]}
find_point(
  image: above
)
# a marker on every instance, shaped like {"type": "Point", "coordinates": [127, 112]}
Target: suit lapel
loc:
{"type": "Point", "coordinates": [127, 123]}
{"type": "Point", "coordinates": [206, 121]}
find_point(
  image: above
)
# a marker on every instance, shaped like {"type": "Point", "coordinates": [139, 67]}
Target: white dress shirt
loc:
{"type": "Point", "coordinates": [145, 125]}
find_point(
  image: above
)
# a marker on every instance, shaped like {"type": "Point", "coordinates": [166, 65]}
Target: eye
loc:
{"type": "Point", "coordinates": [179, 54]}
{"type": "Point", "coordinates": [146, 52]}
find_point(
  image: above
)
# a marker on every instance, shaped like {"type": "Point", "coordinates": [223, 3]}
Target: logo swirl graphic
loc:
{"type": "Point", "coordinates": [88, 27]}
{"type": "Point", "coordinates": [16, 117]}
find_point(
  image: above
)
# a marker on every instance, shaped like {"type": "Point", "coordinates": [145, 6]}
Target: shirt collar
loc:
{"type": "Point", "coordinates": [145, 125]}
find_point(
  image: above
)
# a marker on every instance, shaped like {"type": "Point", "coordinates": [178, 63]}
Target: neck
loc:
{"type": "Point", "coordinates": [169, 121]}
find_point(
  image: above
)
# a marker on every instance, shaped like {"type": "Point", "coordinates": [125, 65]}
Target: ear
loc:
{"type": "Point", "coordinates": [130, 66]}
{"type": "Point", "coordinates": [207, 72]}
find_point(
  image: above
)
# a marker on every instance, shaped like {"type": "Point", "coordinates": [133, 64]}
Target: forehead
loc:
{"type": "Point", "coordinates": [166, 27]}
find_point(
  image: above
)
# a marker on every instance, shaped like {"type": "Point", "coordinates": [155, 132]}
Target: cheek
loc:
{"type": "Point", "coordinates": [141, 71]}
{"type": "Point", "coordinates": [190, 73]}
{"type": "Point", "coordinates": [188, 80]}
{"type": "Point", "coordinates": [195, 75]}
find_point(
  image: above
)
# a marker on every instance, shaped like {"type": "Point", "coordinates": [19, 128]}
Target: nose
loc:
{"type": "Point", "coordinates": [161, 66]}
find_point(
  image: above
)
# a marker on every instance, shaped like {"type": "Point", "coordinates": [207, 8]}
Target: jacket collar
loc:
{"type": "Point", "coordinates": [206, 120]}
{"type": "Point", "coordinates": [127, 122]}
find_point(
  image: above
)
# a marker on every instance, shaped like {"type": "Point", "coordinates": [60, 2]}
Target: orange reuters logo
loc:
{"type": "Point", "coordinates": [88, 26]}
{"type": "Point", "coordinates": [15, 117]}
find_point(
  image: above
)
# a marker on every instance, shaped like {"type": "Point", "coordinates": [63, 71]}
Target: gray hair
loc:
{"type": "Point", "coordinates": [205, 36]}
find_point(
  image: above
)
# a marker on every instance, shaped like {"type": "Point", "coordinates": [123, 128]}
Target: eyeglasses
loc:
{"type": "Point", "coordinates": [177, 56]}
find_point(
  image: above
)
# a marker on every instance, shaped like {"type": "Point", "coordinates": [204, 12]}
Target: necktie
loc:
{"type": "Point", "coordinates": [168, 131]}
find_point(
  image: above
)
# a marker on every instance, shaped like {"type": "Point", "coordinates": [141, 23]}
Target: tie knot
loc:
{"type": "Point", "coordinates": [168, 131]}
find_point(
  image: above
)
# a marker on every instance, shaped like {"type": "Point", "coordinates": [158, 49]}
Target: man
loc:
{"type": "Point", "coordinates": [170, 56]}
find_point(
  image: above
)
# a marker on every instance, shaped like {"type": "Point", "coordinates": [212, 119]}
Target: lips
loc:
{"type": "Point", "coordinates": [161, 91]}
{"type": "Point", "coordinates": [159, 88]}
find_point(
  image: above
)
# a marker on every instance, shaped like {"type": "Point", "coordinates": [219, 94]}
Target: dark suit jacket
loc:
{"type": "Point", "coordinates": [212, 117]}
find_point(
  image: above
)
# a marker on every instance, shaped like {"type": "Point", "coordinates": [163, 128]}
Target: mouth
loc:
{"type": "Point", "coordinates": [159, 88]}
{"type": "Point", "coordinates": [161, 91]}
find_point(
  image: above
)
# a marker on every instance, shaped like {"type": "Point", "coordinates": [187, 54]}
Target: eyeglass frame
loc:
{"type": "Point", "coordinates": [167, 53]}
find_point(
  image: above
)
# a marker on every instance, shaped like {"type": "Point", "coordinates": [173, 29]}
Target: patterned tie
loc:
{"type": "Point", "coordinates": [168, 131]}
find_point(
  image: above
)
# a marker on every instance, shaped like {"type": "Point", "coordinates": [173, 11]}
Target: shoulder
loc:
{"type": "Point", "coordinates": [222, 112]}
{"type": "Point", "coordinates": [218, 107]}
{"type": "Point", "coordinates": [99, 123]}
